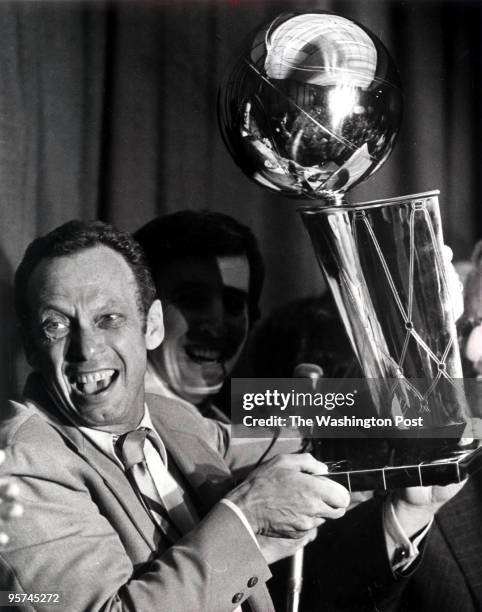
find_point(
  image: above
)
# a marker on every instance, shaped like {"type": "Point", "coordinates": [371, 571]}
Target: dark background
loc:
{"type": "Point", "coordinates": [108, 110]}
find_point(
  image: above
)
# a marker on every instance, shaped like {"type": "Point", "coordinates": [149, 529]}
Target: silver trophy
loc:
{"type": "Point", "coordinates": [310, 109]}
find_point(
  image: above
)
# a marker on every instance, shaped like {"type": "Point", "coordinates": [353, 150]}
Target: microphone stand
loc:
{"type": "Point", "coordinates": [295, 582]}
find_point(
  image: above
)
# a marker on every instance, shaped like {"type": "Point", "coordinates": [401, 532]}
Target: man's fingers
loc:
{"type": "Point", "coordinates": [332, 493]}
{"type": "Point", "coordinates": [289, 496]}
{"type": "Point", "coordinates": [328, 512]}
{"type": "Point", "coordinates": [304, 462]}
{"type": "Point", "coordinates": [311, 535]}
{"type": "Point", "coordinates": [307, 537]}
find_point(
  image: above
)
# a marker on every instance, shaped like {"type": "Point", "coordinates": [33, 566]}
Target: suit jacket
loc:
{"type": "Point", "coordinates": [348, 569]}
{"type": "Point", "coordinates": [85, 534]}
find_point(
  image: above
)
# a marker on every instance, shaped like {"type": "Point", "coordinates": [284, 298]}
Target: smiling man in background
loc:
{"type": "Point", "coordinates": [208, 273]}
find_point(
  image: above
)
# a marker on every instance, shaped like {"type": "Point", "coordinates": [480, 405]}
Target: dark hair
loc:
{"type": "Point", "coordinates": [202, 233]}
{"type": "Point", "coordinates": [76, 236]}
{"type": "Point", "coordinates": [308, 330]}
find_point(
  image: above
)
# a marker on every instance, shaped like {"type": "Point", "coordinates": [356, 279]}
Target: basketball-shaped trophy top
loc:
{"type": "Point", "coordinates": [312, 106]}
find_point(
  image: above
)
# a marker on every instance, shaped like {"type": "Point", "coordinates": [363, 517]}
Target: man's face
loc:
{"type": "Point", "coordinates": [88, 339]}
{"type": "Point", "coordinates": [206, 321]}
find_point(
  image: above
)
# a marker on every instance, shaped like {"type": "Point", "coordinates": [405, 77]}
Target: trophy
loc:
{"type": "Point", "coordinates": [310, 109]}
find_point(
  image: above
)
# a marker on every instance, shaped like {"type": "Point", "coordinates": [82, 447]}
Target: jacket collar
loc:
{"type": "Point", "coordinates": [200, 464]}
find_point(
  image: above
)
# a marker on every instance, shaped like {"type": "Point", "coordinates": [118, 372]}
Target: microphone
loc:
{"type": "Point", "coordinates": [295, 582]}
{"type": "Point", "coordinates": [309, 370]}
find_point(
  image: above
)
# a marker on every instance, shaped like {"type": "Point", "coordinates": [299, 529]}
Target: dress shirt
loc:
{"type": "Point", "coordinates": [167, 487]}
{"type": "Point", "coordinates": [406, 549]}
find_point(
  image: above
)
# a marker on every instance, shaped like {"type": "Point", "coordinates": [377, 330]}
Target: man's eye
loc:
{"type": "Point", "coordinates": [55, 329]}
{"type": "Point", "coordinates": [110, 321]}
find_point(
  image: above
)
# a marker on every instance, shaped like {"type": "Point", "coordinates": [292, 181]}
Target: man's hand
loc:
{"type": "Point", "coordinates": [287, 496]}
{"type": "Point", "coordinates": [275, 549]}
{"type": "Point", "coordinates": [415, 507]}
{"type": "Point", "coordinates": [455, 286]}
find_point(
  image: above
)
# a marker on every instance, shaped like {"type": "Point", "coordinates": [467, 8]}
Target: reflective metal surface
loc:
{"type": "Point", "coordinates": [312, 107]}
{"type": "Point", "coordinates": [384, 265]}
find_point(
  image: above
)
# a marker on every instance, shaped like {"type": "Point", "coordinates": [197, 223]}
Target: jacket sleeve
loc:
{"type": "Point", "coordinates": [347, 566]}
{"type": "Point", "coordinates": [64, 544]}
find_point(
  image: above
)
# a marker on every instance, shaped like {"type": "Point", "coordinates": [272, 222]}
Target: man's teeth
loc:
{"type": "Point", "coordinates": [204, 354]}
{"type": "Point", "coordinates": [93, 381]}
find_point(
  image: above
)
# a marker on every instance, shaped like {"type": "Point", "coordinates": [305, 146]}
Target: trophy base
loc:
{"type": "Point", "coordinates": [383, 467]}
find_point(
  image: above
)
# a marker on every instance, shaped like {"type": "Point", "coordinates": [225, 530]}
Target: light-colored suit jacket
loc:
{"type": "Point", "coordinates": [86, 536]}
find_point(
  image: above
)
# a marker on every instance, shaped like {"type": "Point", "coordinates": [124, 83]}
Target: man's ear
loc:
{"type": "Point", "coordinates": [154, 326]}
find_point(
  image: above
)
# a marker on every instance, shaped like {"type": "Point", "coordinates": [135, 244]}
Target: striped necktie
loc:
{"type": "Point", "coordinates": [130, 449]}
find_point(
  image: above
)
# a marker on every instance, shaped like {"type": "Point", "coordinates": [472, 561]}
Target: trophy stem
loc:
{"type": "Point", "coordinates": [322, 201]}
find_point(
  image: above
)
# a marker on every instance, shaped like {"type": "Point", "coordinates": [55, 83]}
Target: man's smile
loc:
{"type": "Point", "coordinates": [203, 354]}
{"type": "Point", "coordinates": [93, 382]}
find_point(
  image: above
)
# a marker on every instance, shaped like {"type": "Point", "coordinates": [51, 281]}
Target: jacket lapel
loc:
{"type": "Point", "coordinates": [201, 465]}
{"type": "Point", "coordinates": [461, 523]}
{"type": "Point", "coordinates": [111, 473]}
{"type": "Point", "coordinates": [113, 477]}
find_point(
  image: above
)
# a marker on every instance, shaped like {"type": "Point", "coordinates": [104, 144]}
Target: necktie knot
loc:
{"type": "Point", "coordinates": [130, 447]}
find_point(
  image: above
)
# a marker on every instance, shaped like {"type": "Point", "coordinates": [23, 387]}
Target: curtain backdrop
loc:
{"type": "Point", "coordinates": [109, 111]}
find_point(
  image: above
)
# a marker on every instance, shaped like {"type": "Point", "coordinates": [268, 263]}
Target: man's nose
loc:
{"type": "Point", "coordinates": [212, 317]}
{"type": "Point", "coordinates": [473, 347]}
{"type": "Point", "coordinates": [85, 344]}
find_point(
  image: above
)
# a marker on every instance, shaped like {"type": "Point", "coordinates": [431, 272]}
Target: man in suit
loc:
{"type": "Point", "coordinates": [126, 505]}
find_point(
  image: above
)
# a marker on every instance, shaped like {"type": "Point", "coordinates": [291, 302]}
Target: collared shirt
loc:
{"type": "Point", "coordinates": [406, 549]}
{"type": "Point", "coordinates": [165, 489]}
{"type": "Point", "coordinates": [105, 440]}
